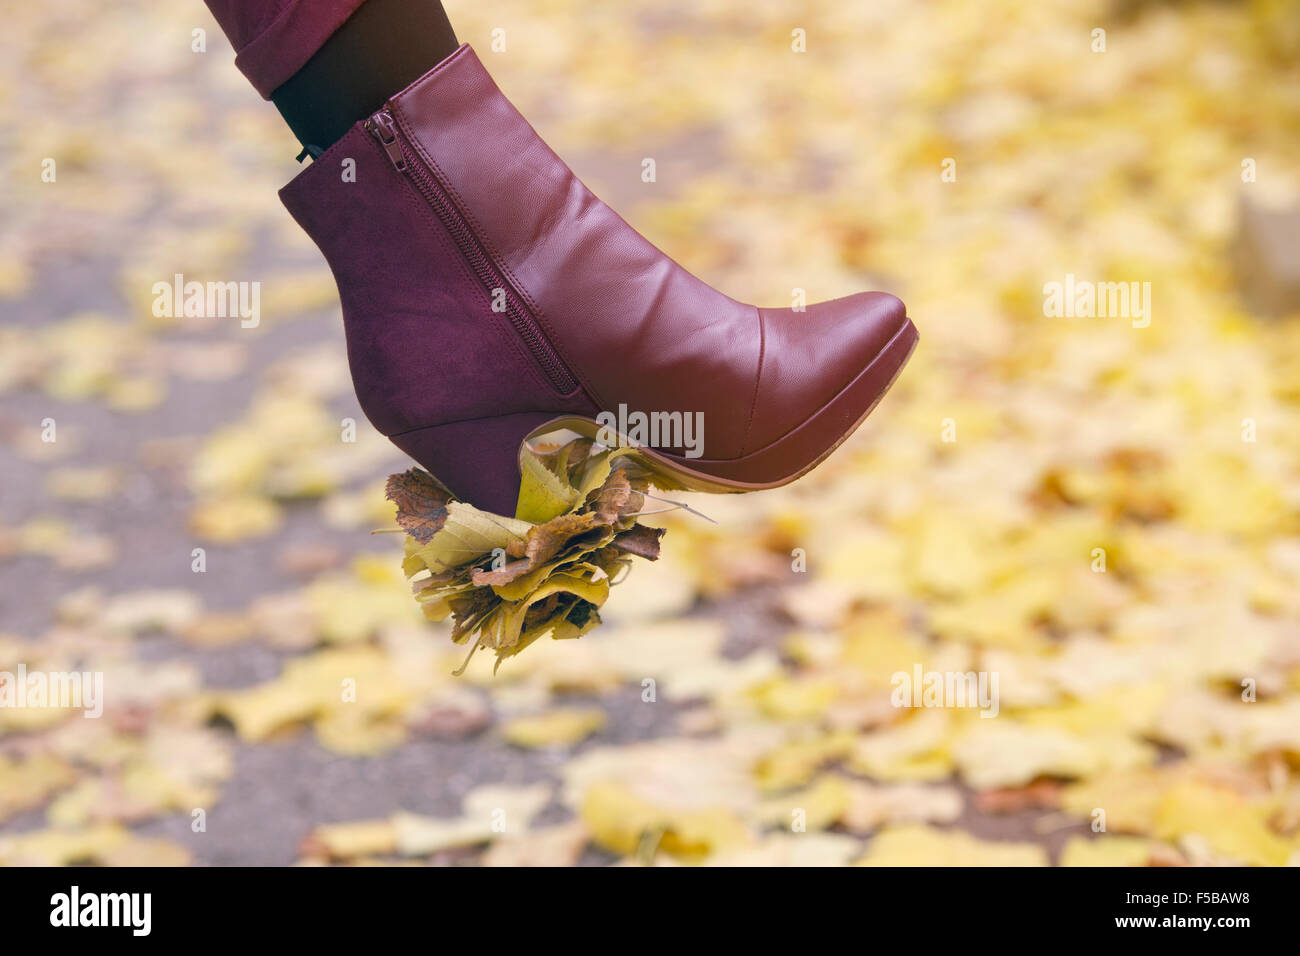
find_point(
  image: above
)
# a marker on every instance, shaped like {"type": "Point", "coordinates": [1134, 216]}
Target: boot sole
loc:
{"type": "Point", "coordinates": [723, 476]}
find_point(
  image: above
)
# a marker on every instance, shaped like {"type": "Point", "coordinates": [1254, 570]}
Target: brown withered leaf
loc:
{"type": "Point", "coordinates": [502, 575]}
{"type": "Point", "coordinates": [421, 503]}
{"type": "Point", "coordinates": [1039, 795]}
{"type": "Point", "coordinates": [641, 540]}
{"type": "Point", "coordinates": [566, 456]}
{"type": "Point", "coordinates": [611, 499]}
{"type": "Point", "coordinates": [544, 541]}
{"type": "Point", "coordinates": [469, 608]}
{"type": "Point", "coordinates": [436, 580]}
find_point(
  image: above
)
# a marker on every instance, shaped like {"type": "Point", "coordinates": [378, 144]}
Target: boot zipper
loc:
{"type": "Point", "coordinates": [384, 129]}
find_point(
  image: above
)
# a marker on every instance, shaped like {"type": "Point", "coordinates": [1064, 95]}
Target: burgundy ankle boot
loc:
{"type": "Point", "coordinates": [489, 297]}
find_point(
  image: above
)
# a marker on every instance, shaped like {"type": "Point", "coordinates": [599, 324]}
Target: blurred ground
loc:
{"type": "Point", "coordinates": [959, 530]}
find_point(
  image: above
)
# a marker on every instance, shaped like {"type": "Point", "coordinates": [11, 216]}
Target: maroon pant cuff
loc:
{"type": "Point", "coordinates": [274, 39]}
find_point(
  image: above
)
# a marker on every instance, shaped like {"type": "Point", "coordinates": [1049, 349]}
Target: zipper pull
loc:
{"type": "Point", "coordinates": [383, 128]}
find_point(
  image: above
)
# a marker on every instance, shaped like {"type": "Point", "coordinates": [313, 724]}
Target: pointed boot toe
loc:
{"type": "Point", "coordinates": [823, 371]}
{"type": "Point", "coordinates": [489, 297]}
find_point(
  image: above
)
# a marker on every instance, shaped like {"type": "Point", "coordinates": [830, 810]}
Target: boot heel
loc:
{"type": "Point", "coordinates": [478, 460]}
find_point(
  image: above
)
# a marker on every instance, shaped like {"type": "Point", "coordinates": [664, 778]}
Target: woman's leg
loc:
{"type": "Point", "coordinates": [328, 63]}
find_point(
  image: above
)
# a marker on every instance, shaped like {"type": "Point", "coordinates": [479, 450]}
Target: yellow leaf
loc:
{"type": "Point", "coordinates": [814, 808]}
{"type": "Point", "coordinates": [1106, 851]}
{"type": "Point", "coordinates": [1232, 825]}
{"type": "Point", "coordinates": [344, 840]}
{"type": "Point", "coordinates": [230, 520]}
{"type": "Point", "coordinates": [554, 728]}
{"type": "Point", "coordinates": [625, 824]}
{"type": "Point", "coordinates": [919, 845]}
{"type": "Point", "coordinates": [543, 494]}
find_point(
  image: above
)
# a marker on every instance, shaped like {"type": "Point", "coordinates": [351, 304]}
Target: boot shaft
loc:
{"type": "Point", "coordinates": [428, 341]}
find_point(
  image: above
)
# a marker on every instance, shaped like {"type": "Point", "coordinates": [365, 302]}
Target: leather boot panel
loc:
{"type": "Point", "coordinates": [424, 344]}
{"type": "Point", "coordinates": [632, 325]}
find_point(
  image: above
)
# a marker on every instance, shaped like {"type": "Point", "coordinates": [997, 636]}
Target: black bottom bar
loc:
{"type": "Point", "coordinates": [215, 906]}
